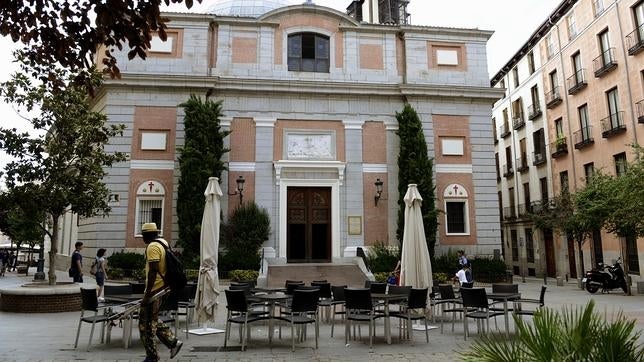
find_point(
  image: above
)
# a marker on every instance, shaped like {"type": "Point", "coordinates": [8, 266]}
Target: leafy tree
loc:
{"type": "Point", "coordinates": [199, 159]}
{"type": "Point", "coordinates": [60, 167]}
{"type": "Point", "coordinates": [415, 167]}
{"type": "Point", "coordinates": [248, 227]}
{"type": "Point", "coordinates": [68, 33]}
{"type": "Point", "coordinates": [562, 214]}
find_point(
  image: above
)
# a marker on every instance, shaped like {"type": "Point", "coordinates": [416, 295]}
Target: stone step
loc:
{"type": "Point", "coordinates": [336, 274]}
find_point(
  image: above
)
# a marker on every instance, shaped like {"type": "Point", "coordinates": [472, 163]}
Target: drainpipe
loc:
{"type": "Point", "coordinates": [628, 79]}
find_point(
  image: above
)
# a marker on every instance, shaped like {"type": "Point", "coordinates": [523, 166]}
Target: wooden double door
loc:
{"type": "Point", "coordinates": [308, 235]}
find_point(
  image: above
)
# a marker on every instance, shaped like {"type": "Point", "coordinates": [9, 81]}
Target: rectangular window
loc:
{"type": "Point", "coordinates": [633, 255]}
{"type": "Point", "coordinates": [612, 99]}
{"type": "Point", "coordinates": [456, 217]}
{"type": "Point", "coordinates": [604, 48]}
{"type": "Point", "coordinates": [531, 67]}
{"type": "Point", "coordinates": [543, 184]}
{"type": "Point", "coordinates": [554, 82]}
{"type": "Point", "coordinates": [149, 210]}
{"type": "Point", "coordinates": [572, 27]}
{"type": "Point", "coordinates": [550, 46]}
{"type": "Point", "coordinates": [559, 132]}
{"type": "Point", "coordinates": [584, 123]}
{"type": "Point", "coordinates": [515, 245]}
{"type": "Point", "coordinates": [308, 52]}
{"type": "Point", "coordinates": [526, 194]}
{"type": "Point", "coordinates": [589, 170]}
{"type": "Point", "coordinates": [496, 159]}
{"type": "Point", "coordinates": [529, 246]}
{"type": "Point", "coordinates": [638, 17]}
{"type": "Point", "coordinates": [620, 163]}
{"type": "Point", "coordinates": [598, 7]}
{"type": "Point", "coordinates": [576, 68]}
{"type": "Point", "coordinates": [563, 181]}
{"type": "Point", "coordinates": [534, 95]}
{"type": "Point", "coordinates": [539, 141]}
{"type": "Point", "coordinates": [508, 157]}
{"type": "Point", "coordinates": [515, 76]}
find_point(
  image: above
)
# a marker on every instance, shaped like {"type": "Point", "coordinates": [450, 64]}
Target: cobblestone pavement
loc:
{"type": "Point", "coordinates": [50, 337]}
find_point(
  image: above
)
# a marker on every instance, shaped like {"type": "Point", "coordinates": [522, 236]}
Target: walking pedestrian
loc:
{"type": "Point", "coordinates": [76, 269]}
{"type": "Point", "coordinates": [149, 324]}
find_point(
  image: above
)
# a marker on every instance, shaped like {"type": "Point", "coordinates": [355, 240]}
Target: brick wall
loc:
{"type": "Point", "coordinates": [40, 303]}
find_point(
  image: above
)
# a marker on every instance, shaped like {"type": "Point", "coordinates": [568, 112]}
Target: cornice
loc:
{"type": "Point", "coordinates": [220, 84]}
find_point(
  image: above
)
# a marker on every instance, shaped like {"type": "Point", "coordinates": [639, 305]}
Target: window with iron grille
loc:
{"type": "Point", "coordinates": [308, 52]}
{"type": "Point", "coordinates": [149, 210]}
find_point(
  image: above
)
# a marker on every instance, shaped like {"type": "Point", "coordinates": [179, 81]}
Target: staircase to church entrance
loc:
{"type": "Point", "coordinates": [349, 274]}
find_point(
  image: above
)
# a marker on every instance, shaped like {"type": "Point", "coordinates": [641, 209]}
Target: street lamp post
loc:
{"type": "Point", "coordinates": [240, 189]}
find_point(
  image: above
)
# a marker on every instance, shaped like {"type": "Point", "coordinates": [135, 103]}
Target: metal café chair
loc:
{"type": "Point", "coordinates": [239, 313]}
{"type": "Point", "coordinates": [475, 303]}
{"type": "Point", "coordinates": [89, 303]}
{"type": "Point", "coordinates": [303, 311]}
{"type": "Point", "coordinates": [414, 310]}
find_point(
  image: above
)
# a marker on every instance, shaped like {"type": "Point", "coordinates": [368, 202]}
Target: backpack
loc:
{"type": "Point", "coordinates": [468, 276]}
{"type": "Point", "coordinates": [94, 267]}
{"type": "Point", "coordinates": [174, 277]}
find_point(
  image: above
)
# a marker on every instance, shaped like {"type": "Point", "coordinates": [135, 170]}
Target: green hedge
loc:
{"type": "Point", "coordinates": [488, 270]}
{"type": "Point", "coordinates": [243, 275]}
{"type": "Point", "coordinates": [382, 258]}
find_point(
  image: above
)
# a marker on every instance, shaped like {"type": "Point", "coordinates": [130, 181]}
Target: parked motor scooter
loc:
{"type": "Point", "coordinates": [605, 277]}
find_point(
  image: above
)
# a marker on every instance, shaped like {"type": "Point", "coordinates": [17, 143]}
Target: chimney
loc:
{"type": "Point", "coordinates": [354, 9]}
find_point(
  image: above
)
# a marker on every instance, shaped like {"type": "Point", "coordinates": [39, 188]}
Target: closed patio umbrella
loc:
{"type": "Point", "coordinates": [208, 282]}
{"type": "Point", "coordinates": [415, 265]}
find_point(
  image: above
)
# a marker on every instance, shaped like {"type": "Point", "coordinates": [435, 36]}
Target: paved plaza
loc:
{"type": "Point", "coordinates": [33, 337]}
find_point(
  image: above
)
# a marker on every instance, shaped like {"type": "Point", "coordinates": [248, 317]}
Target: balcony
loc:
{"type": "Point", "coordinates": [522, 164]}
{"type": "Point", "coordinates": [539, 206]}
{"type": "Point", "coordinates": [508, 171]}
{"type": "Point", "coordinates": [553, 98]}
{"type": "Point", "coordinates": [584, 137]}
{"type": "Point", "coordinates": [539, 157]}
{"type": "Point", "coordinates": [518, 121]}
{"type": "Point", "coordinates": [509, 213]}
{"type": "Point", "coordinates": [524, 210]}
{"type": "Point", "coordinates": [559, 147]}
{"type": "Point", "coordinates": [577, 82]}
{"type": "Point", "coordinates": [534, 111]}
{"type": "Point", "coordinates": [613, 125]}
{"type": "Point", "coordinates": [635, 40]}
{"type": "Point", "coordinates": [640, 111]}
{"type": "Point", "coordinates": [605, 62]}
{"type": "Point", "coordinates": [504, 130]}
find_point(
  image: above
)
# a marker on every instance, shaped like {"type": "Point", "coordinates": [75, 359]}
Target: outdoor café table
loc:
{"type": "Point", "coordinates": [505, 297]}
{"type": "Point", "coordinates": [271, 300]}
{"type": "Point", "coordinates": [387, 298]}
{"type": "Point", "coordinates": [122, 298]}
{"type": "Point", "coordinates": [267, 290]}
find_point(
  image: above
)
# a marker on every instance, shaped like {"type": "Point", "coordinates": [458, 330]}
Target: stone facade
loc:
{"type": "Point", "coordinates": [332, 129]}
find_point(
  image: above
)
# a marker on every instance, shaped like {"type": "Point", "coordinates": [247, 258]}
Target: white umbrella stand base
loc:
{"type": "Point", "coordinates": [421, 327]}
{"type": "Point", "coordinates": [205, 330]}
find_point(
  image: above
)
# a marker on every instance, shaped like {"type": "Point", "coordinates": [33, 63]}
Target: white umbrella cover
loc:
{"type": "Point", "coordinates": [415, 266]}
{"type": "Point", "coordinates": [208, 283]}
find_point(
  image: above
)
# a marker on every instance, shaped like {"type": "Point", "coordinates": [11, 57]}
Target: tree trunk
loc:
{"type": "Point", "coordinates": [53, 250]}
{"type": "Point", "coordinates": [582, 272]}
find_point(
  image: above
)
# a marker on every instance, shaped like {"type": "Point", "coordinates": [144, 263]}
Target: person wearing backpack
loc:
{"type": "Point", "coordinates": [156, 272]}
{"type": "Point", "coordinates": [464, 276]}
{"type": "Point", "coordinates": [98, 270]}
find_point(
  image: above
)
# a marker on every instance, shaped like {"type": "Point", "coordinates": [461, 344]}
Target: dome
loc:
{"type": "Point", "coordinates": [246, 8]}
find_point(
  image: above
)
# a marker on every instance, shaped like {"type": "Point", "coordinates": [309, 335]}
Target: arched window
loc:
{"type": "Point", "coordinates": [149, 205]}
{"type": "Point", "coordinates": [456, 210]}
{"type": "Point", "coordinates": [308, 52]}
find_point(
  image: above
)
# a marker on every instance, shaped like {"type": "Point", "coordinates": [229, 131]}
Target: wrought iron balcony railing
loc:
{"type": "Point", "coordinates": [534, 111]}
{"type": "Point", "coordinates": [522, 164]}
{"type": "Point", "coordinates": [605, 62]}
{"type": "Point", "coordinates": [559, 147]}
{"type": "Point", "coordinates": [539, 157]}
{"type": "Point", "coordinates": [509, 213]}
{"type": "Point", "coordinates": [577, 81]}
{"type": "Point", "coordinates": [553, 98]}
{"type": "Point", "coordinates": [504, 130]}
{"type": "Point", "coordinates": [635, 40]}
{"type": "Point", "coordinates": [518, 121]}
{"type": "Point", "coordinates": [639, 107]}
{"type": "Point", "coordinates": [613, 124]}
{"type": "Point", "coordinates": [508, 171]}
{"type": "Point", "coordinates": [584, 137]}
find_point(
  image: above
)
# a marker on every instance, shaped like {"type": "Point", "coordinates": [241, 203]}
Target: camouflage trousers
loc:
{"type": "Point", "coordinates": [149, 326]}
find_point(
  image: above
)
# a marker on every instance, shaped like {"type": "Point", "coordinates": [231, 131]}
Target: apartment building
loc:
{"type": "Point", "coordinates": [592, 74]}
{"type": "Point", "coordinates": [310, 95]}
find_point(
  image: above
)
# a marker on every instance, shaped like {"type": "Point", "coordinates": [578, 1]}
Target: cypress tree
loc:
{"type": "Point", "coordinates": [199, 159]}
{"type": "Point", "coordinates": [415, 167]}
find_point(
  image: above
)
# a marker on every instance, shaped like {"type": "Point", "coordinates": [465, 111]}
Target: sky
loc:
{"type": "Point", "coordinates": [513, 21]}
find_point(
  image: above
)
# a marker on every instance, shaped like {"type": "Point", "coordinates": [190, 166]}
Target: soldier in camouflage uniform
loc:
{"type": "Point", "coordinates": [149, 324]}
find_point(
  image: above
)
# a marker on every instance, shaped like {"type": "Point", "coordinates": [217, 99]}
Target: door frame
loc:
{"type": "Point", "coordinates": [334, 184]}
